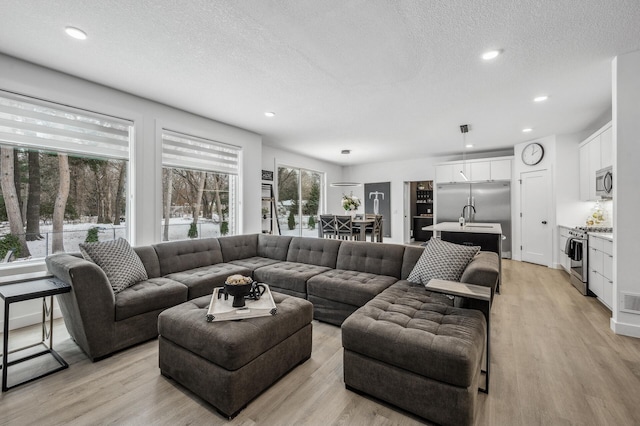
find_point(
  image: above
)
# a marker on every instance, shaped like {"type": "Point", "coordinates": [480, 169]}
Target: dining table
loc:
{"type": "Point", "coordinates": [362, 223]}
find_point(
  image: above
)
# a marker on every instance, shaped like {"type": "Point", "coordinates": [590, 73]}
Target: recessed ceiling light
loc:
{"type": "Point", "coordinates": [75, 33]}
{"type": "Point", "coordinates": [491, 54]}
{"type": "Point", "coordinates": [469, 145]}
{"type": "Point", "coordinates": [527, 130]}
{"type": "Point", "coordinates": [345, 151]}
{"type": "Point", "coordinates": [540, 98]}
{"type": "Point", "coordinates": [270, 114]}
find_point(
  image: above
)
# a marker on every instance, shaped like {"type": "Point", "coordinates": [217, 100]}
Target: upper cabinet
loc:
{"type": "Point", "coordinates": [487, 169]}
{"type": "Point", "coordinates": [606, 148]}
{"type": "Point", "coordinates": [501, 169]}
{"type": "Point", "coordinates": [480, 170]}
{"type": "Point", "coordinates": [596, 152]}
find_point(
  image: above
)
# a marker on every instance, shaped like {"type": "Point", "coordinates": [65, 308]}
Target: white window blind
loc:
{"type": "Point", "coordinates": [190, 152]}
{"type": "Point", "coordinates": [37, 124]}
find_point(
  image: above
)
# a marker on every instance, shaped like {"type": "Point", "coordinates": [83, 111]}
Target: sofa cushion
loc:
{"type": "Point", "coordinates": [442, 260]}
{"type": "Point", "coordinates": [273, 246]}
{"type": "Point", "coordinates": [120, 263]}
{"type": "Point", "coordinates": [314, 251]}
{"type": "Point", "coordinates": [374, 258]}
{"type": "Point", "coordinates": [238, 247]}
{"type": "Point", "coordinates": [254, 263]}
{"type": "Point", "coordinates": [177, 256]}
{"type": "Point", "coordinates": [406, 327]}
{"type": "Point", "coordinates": [149, 295]}
{"type": "Point", "coordinates": [288, 275]}
{"type": "Point", "coordinates": [409, 260]}
{"type": "Point", "coordinates": [351, 287]}
{"type": "Point", "coordinates": [201, 281]}
{"type": "Point", "coordinates": [149, 258]}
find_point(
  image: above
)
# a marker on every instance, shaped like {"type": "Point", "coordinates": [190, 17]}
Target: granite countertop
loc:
{"type": "Point", "coordinates": [566, 227]}
{"type": "Point", "coordinates": [473, 227]}
{"type": "Point", "coordinates": [603, 235]}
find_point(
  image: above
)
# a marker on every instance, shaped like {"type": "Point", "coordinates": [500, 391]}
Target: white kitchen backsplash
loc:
{"type": "Point", "coordinates": [600, 214]}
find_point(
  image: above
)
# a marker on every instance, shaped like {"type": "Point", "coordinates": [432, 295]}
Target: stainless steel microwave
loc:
{"type": "Point", "coordinates": [604, 182]}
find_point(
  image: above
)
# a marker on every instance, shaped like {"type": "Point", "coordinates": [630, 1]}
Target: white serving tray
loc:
{"type": "Point", "coordinates": [221, 310]}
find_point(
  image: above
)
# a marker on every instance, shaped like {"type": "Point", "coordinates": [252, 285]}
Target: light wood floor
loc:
{"type": "Point", "coordinates": [554, 362]}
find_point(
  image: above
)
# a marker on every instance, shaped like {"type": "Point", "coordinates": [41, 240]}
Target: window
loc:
{"type": "Point", "coordinates": [64, 177]}
{"type": "Point", "coordinates": [299, 200]}
{"type": "Point", "coordinates": [199, 186]}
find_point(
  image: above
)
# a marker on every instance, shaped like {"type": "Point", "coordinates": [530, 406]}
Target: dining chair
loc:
{"type": "Point", "coordinates": [327, 228]}
{"type": "Point", "coordinates": [344, 228]}
{"type": "Point", "coordinates": [377, 228]}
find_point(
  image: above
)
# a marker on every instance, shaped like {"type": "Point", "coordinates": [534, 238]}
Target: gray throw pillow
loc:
{"type": "Point", "coordinates": [442, 260]}
{"type": "Point", "coordinates": [119, 262]}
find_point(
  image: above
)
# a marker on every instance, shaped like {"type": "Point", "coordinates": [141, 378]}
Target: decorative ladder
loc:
{"type": "Point", "coordinates": [268, 196]}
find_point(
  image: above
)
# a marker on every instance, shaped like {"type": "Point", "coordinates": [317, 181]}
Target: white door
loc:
{"type": "Point", "coordinates": [535, 223]}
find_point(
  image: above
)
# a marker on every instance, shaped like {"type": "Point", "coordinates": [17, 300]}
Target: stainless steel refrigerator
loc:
{"type": "Point", "coordinates": [491, 200]}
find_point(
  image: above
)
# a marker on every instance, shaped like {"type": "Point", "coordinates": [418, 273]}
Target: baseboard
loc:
{"type": "Point", "coordinates": [28, 319]}
{"type": "Point", "coordinates": [631, 330]}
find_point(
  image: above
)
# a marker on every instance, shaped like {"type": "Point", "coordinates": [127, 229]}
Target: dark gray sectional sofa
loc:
{"type": "Point", "coordinates": [338, 277]}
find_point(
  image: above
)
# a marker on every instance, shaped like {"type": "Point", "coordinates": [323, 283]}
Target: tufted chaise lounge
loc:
{"type": "Point", "coordinates": [416, 351]}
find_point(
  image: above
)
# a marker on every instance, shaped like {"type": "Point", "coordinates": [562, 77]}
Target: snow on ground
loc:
{"type": "Point", "coordinates": [76, 233]}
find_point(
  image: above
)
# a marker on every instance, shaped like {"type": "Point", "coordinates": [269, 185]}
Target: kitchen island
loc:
{"type": "Point", "coordinates": [486, 235]}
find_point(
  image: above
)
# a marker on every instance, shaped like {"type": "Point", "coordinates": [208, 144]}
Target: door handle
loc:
{"type": "Point", "coordinates": [544, 222]}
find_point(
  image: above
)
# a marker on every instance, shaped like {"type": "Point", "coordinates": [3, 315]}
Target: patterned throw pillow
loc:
{"type": "Point", "coordinates": [442, 260]}
{"type": "Point", "coordinates": [119, 262]}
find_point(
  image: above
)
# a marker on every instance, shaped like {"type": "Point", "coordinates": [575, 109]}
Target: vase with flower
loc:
{"type": "Point", "coordinates": [350, 204]}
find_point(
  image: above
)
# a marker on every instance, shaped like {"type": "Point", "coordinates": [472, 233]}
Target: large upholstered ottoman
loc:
{"type": "Point", "coordinates": [412, 349]}
{"type": "Point", "coordinates": [229, 363]}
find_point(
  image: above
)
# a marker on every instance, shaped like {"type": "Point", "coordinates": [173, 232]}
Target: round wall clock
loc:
{"type": "Point", "coordinates": [532, 154]}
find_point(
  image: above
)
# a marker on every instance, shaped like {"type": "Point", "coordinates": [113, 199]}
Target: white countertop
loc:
{"type": "Point", "coordinates": [475, 227]}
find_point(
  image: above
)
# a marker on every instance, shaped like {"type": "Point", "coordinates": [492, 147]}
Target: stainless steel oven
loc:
{"type": "Point", "coordinates": [577, 248]}
{"type": "Point", "coordinates": [578, 251]}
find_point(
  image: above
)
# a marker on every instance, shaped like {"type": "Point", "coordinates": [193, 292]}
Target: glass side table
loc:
{"type": "Point", "coordinates": [27, 290]}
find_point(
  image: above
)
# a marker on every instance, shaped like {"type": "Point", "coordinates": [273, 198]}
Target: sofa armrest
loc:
{"type": "Point", "coordinates": [89, 309]}
{"type": "Point", "coordinates": [483, 270]}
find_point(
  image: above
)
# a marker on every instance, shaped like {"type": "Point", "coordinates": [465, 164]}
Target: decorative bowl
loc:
{"type": "Point", "coordinates": [238, 291]}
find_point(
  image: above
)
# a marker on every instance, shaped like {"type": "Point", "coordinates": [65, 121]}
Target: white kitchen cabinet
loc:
{"type": "Point", "coordinates": [444, 173]}
{"type": "Point", "coordinates": [595, 283]}
{"type": "Point", "coordinates": [450, 172]}
{"type": "Point", "coordinates": [606, 148]}
{"type": "Point", "coordinates": [480, 170]}
{"type": "Point", "coordinates": [601, 269]}
{"type": "Point", "coordinates": [476, 170]}
{"type": "Point", "coordinates": [464, 167]}
{"type": "Point", "coordinates": [563, 259]}
{"type": "Point", "coordinates": [584, 173]}
{"type": "Point", "coordinates": [595, 152]}
{"type": "Point", "coordinates": [501, 169]}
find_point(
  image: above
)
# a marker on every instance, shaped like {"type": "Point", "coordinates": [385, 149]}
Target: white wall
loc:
{"type": "Point", "coordinates": [626, 197]}
{"type": "Point", "coordinates": [146, 186]}
{"type": "Point", "coordinates": [396, 172]}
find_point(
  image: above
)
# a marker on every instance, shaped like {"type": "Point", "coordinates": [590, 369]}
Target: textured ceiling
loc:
{"type": "Point", "coordinates": [387, 79]}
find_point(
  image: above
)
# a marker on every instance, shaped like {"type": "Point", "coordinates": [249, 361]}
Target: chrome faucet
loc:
{"type": "Point", "coordinates": [471, 216]}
